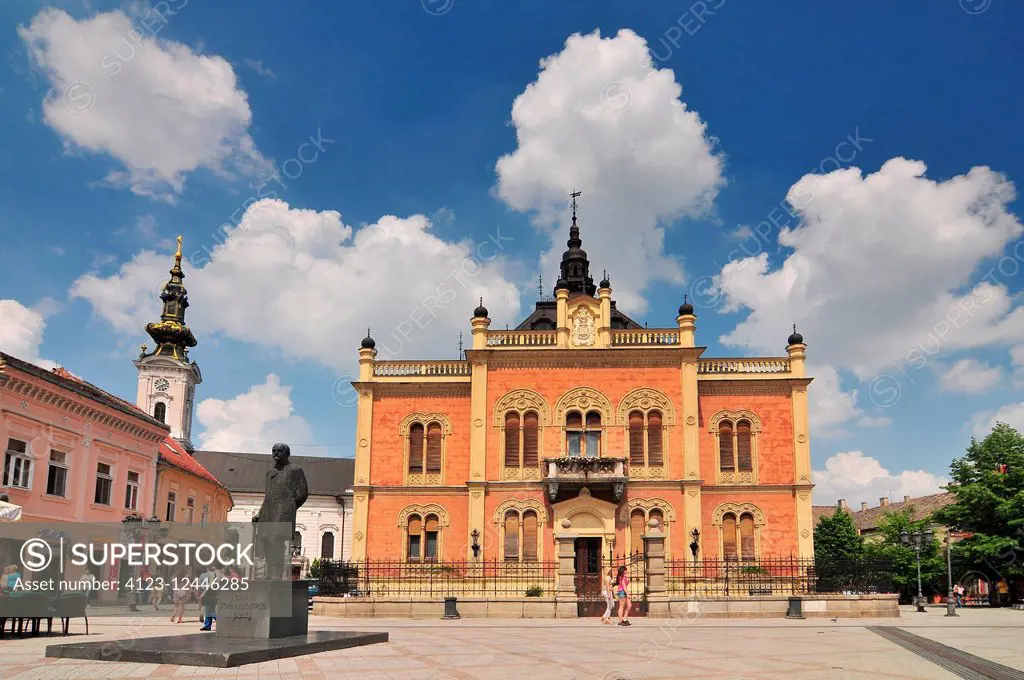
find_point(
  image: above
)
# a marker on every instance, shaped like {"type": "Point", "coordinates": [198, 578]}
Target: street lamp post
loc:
{"type": "Point", "coordinates": [950, 598]}
{"type": "Point", "coordinates": [917, 540]}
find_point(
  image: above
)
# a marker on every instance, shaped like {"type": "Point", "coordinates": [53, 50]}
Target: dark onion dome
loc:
{"type": "Point", "coordinates": [796, 338]}
{"type": "Point", "coordinates": [561, 283]}
{"type": "Point", "coordinates": [481, 311]}
{"type": "Point", "coordinates": [605, 283]}
{"type": "Point", "coordinates": [367, 342]}
{"type": "Point", "coordinates": [686, 309]}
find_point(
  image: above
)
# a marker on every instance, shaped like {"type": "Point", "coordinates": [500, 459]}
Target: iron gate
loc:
{"type": "Point", "coordinates": [589, 567]}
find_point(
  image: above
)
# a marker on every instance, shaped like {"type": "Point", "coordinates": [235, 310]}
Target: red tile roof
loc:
{"type": "Point", "coordinates": [62, 372]}
{"type": "Point", "coordinates": [176, 456]}
{"type": "Point", "coordinates": [870, 518]}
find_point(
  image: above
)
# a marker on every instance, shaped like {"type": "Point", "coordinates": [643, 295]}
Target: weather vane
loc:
{"type": "Point", "coordinates": [575, 195]}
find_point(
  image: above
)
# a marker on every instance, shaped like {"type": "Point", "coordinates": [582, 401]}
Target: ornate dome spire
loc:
{"type": "Point", "coordinates": [172, 336]}
{"type": "Point", "coordinates": [575, 269]}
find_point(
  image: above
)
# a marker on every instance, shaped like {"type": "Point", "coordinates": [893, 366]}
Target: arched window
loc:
{"type": "Point", "coordinates": [654, 436]}
{"type": "Point", "coordinates": [726, 450]}
{"type": "Point", "coordinates": [425, 441]}
{"type": "Point", "coordinates": [656, 515]}
{"type": "Point", "coordinates": [531, 537]}
{"type": "Point", "coordinates": [637, 528]}
{"type": "Point", "coordinates": [737, 433]}
{"type": "Point", "coordinates": [743, 446]}
{"type": "Point", "coordinates": [512, 435]}
{"type": "Point", "coordinates": [434, 447]}
{"type": "Point", "coordinates": [512, 536]}
{"type": "Point", "coordinates": [593, 435]}
{"type": "Point", "coordinates": [747, 536]}
{"type": "Point", "coordinates": [160, 411]}
{"type": "Point", "coordinates": [327, 545]}
{"type": "Point", "coordinates": [729, 536]}
{"type": "Point", "coordinates": [574, 433]}
{"type": "Point", "coordinates": [423, 537]}
{"type": "Point", "coordinates": [636, 438]}
{"type": "Point", "coordinates": [416, 448]}
{"type": "Point", "coordinates": [531, 439]}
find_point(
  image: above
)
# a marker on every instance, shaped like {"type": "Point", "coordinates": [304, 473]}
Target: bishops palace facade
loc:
{"type": "Point", "coordinates": [577, 434]}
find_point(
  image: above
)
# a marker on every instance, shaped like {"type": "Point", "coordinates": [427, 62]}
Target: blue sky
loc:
{"type": "Point", "coordinates": [399, 137]}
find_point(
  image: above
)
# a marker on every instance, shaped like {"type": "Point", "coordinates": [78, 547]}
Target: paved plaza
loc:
{"type": "Point", "coordinates": [538, 649]}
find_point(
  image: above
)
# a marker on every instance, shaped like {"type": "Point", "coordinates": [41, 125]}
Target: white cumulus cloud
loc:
{"type": "Point", "coordinates": [877, 269]}
{"type": "Point", "coordinates": [21, 332]}
{"type": "Point", "coordinates": [969, 376]}
{"type": "Point", "coordinates": [859, 478]}
{"type": "Point", "coordinates": [253, 421]}
{"type": "Point", "coordinates": [158, 108]}
{"type": "Point", "coordinates": [601, 119]}
{"type": "Point", "coordinates": [306, 283]}
{"type": "Point", "coordinates": [1011, 414]}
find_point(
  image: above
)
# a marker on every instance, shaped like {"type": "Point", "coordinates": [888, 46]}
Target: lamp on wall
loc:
{"type": "Point", "coordinates": [695, 543]}
{"type": "Point", "coordinates": [476, 543]}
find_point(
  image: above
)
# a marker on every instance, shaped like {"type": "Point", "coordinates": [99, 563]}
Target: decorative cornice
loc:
{"type": "Point", "coordinates": [616, 357]}
{"type": "Point", "coordinates": [418, 490]}
{"type": "Point", "coordinates": [417, 389]}
{"type": "Point", "coordinates": [751, 488]}
{"type": "Point", "coordinates": [744, 387]}
{"type": "Point", "coordinates": [53, 398]}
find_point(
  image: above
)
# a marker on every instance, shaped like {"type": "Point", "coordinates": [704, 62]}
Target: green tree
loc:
{"type": "Point", "coordinates": [903, 558]}
{"type": "Point", "coordinates": [836, 539]}
{"type": "Point", "coordinates": [838, 550]}
{"type": "Point", "coordinates": [989, 487]}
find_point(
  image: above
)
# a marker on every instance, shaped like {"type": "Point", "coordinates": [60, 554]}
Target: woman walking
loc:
{"type": "Point", "coordinates": [608, 595]}
{"type": "Point", "coordinates": [181, 594]}
{"type": "Point", "coordinates": [622, 593]}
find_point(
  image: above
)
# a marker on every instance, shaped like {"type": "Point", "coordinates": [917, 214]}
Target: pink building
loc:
{"type": "Point", "coordinates": [73, 452]}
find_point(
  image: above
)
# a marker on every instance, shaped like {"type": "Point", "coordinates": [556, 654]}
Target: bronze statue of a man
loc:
{"type": "Point", "coordinates": [286, 491]}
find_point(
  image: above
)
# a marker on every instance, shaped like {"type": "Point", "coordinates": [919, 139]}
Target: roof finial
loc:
{"type": "Point", "coordinates": [794, 328]}
{"type": "Point", "coordinates": [575, 195]}
{"type": "Point", "coordinates": [540, 286]}
{"type": "Point", "coordinates": [367, 331]}
{"type": "Point", "coordinates": [177, 255]}
{"type": "Point", "coordinates": [686, 298]}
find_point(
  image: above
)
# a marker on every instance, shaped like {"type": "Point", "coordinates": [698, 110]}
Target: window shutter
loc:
{"type": "Point", "coordinates": [511, 536]}
{"type": "Point", "coordinates": [747, 536]}
{"type": "Point", "coordinates": [530, 536]}
{"type": "Point", "coordinates": [416, 448]}
{"type": "Point", "coordinates": [431, 531]}
{"type": "Point", "coordinates": [636, 530]}
{"type": "Point", "coordinates": [654, 433]}
{"type": "Point", "coordinates": [743, 455]}
{"type": "Point", "coordinates": [530, 439]}
{"type": "Point", "coordinates": [729, 536]}
{"type": "Point", "coordinates": [574, 421]}
{"type": "Point", "coordinates": [511, 439]}
{"type": "Point", "coordinates": [725, 447]}
{"type": "Point", "coordinates": [415, 531]}
{"type": "Point", "coordinates": [593, 420]}
{"type": "Point", "coordinates": [434, 447]}
{"type": "Point", "coordinates": [636, 438]}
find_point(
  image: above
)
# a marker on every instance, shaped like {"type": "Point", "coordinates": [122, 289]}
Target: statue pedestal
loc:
{"type": "Point", "coordinates": [266, 610]}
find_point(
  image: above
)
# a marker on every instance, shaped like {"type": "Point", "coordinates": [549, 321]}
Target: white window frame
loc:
{"type": "Point", "coordinates": [63, 465]}
{"type": "Point", "coordinates": [12, 457]}
{"type": "Point", "coordinates": [172, 505]}
{"type": "Point", "coordinates": [131, 490]}
{"type": "Point", "coordinates": [109, 476]}
{"type": "Point", "coordinates": [190, 510]}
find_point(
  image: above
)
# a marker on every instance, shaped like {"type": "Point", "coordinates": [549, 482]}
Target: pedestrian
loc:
{"type": "Point", "coordinates": [209, 599]}
{"type": "Point", "coordinates": [157, 596]}
{"type": "Point", "coordinates": [622, 593]}
{"type": "Point", "coordinates": [958, 593]}
{"type": "Point", "coordinates": [608, 595]}
{"type": "Point", "coordinates": [1003, 592]}
{"type": "Point", "coordinates": [181, 594]}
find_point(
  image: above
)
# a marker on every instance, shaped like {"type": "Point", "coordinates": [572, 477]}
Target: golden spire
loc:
{"type": "Point", "coordinates": [177, 255]}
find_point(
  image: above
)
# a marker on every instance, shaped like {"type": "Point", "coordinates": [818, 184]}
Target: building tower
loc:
{"type": "Point", "coordinates": [167, 378]}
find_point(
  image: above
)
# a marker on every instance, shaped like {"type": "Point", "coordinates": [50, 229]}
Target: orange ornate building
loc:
{"type": "Point", "coordinates": [582, 428]}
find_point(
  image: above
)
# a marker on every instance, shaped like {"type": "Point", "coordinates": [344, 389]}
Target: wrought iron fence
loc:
{"type": "Point", "coordinates": [397, 579]}
{"type": "Point", "coordinates": [776, 576]}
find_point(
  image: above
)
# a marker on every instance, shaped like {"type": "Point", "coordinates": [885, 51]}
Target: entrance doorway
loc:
{"type": "Point", "coordinates": [588, 577]}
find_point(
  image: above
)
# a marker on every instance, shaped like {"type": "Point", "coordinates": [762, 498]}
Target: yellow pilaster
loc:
{"type": "Point", "coordinates": [364, 440]}
{"type": "Point", "coordinates": [604, 330]}
{"type": "Point", "coordinates": [562, 313]}
{"type": "Point", "coordinates": [477, 437]}
{"type": "Point", "coordinates": [692, 520]}
{"type": "Point", "coordinates": [801, 448]}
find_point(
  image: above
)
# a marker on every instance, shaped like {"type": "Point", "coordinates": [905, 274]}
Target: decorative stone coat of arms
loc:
{"type": "Point", "coordinates": [583, 328]}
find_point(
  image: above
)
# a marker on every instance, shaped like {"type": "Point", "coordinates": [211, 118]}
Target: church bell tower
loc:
{"type": "Point", "coordinates": [167, 377]}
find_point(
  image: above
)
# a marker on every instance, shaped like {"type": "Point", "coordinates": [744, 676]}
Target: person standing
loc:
{"type": "Point", "coordinates": [622, 593]}
{"type": "Point", "coordinates": [209, 598]}
{"type": "Point", "coordinates": [181, 594]}
{"type": "Point", "coordinates": [607, 593]}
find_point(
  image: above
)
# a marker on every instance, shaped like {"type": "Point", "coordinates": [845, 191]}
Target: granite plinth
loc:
{"type": "Point", "coordinates": [264, 610]}
{"type": "Point", "coordinates": [210, 650]}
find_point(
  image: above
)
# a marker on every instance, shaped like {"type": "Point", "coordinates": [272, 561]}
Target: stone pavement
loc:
{"type": "Point", "coordinates": [538, 649]}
